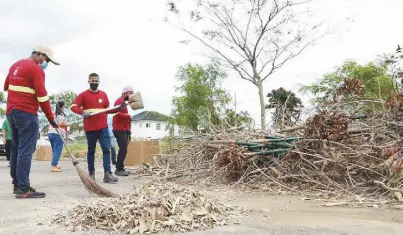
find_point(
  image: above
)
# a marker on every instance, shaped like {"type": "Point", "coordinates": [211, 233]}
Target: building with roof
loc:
{"type": "Point", "coordinates": [149, 125]}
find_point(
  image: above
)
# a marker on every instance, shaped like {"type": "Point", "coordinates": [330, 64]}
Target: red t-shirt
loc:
{"type": "Point", "coordinates": [121, 120]}
{"type": "Point", "coordinates": [25, 84]}
{"type": "Point", "coordinates": [92, 102]}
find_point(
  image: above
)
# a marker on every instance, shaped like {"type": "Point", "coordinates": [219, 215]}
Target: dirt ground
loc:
{"type": "Point", "coordinates": [280, 215]}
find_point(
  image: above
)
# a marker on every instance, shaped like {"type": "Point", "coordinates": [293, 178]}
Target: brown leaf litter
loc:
{"type": "Point", "coordinates": [155, 208]}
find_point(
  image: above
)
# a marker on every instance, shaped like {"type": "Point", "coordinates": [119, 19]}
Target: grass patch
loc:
{"type": "Point", "coordinates": [80, 148]}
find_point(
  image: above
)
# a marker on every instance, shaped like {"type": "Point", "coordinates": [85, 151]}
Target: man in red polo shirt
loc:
{"type": "Point", "coordinates": [95, 127]}
{"type": "Point", "coordinates": [25, 84]}
{"type": "Point", "coordinates": [121, 130]}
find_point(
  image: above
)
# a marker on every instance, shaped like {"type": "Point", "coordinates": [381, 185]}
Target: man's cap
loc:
{"type": "Point", "coordinates": [48, 52]}
{"type": "Point", "coordinates": [127, 89]}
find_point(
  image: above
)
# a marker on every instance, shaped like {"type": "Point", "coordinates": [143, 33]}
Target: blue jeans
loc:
{"type": "Point", "coordinates": [57, 147]}
{"type": "Point", "coordinates": [113, 148]}
{"type": "Point", "coordinates": [104, 141]}
{"type": "Point", "coordinates": [24, 131]}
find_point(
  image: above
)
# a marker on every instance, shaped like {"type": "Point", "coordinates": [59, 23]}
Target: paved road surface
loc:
{"type": "Point", "coordinates": [279, 216]}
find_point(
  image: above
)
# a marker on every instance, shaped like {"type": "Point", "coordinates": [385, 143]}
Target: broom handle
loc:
{"type": "Point", "coordinates": [65, 145]}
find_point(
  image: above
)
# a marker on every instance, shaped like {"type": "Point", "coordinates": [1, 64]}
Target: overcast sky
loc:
{"type": "Point", "coordinates": [127, 42]}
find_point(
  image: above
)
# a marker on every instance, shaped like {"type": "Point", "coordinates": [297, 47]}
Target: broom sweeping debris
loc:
{"type": "Point", "coordinates": [155, 208]}
{"type": "Point", "coordinates": [88, 182]}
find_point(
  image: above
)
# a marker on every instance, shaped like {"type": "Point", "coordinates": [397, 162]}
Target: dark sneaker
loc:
{"type": "Point", "coordinates": [92, 174]}
{"type": "Point", "coordinates": [15, 189]}
{"type": "Point", "coordinates": [109, 178]}
{"type": "Point", "coordinates": [121, 173]}
{"type": "Point", "coordinates": [30, 193]}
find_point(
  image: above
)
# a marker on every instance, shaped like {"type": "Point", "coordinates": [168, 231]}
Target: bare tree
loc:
{"type": "Point", "coordinates": [255, 38]}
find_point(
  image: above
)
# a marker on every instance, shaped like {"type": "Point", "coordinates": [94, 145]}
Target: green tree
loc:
{"type": "Point", "coordinates": [255, 39]}
{"type": "Point", "coordinates": [233, 119]}
{"type": "Point", "coordinates": [287, 107]}
{"type": "Point", "coordinates": [202, 100]}
{"type": "Point", "coordinates": [377, 84]}
{"type": "Point", "coordinates": [68, 97]}
{"type": "Point", "coordinates": [2, 104]}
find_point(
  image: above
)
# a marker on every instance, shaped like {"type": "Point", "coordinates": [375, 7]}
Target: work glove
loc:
{"type": "Point", "coordinates": [86, 114]}
{"type": "Point", "coordinates": [53, 124]}
{"type": "Point", "coordinates": [122, 106]}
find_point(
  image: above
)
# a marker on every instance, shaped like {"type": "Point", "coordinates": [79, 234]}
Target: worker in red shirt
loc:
{"type": "Point", "coordinates": [121, 130]}
{"type": "Point", "coordinates": [95, 127]}
{"type": "Point", "coordinates": [25, 84]}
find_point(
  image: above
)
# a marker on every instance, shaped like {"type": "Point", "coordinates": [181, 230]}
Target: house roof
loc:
{"type": "Point", "coordinates": [150, 116]}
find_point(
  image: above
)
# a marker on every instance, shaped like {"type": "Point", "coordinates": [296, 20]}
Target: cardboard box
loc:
{"type": "Point", "coordinates": [44, 153]}
{"type": "Point", "coordinates": [141, 151]}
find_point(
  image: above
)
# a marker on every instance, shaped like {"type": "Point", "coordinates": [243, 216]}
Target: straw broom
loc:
{"type": "Point", "coordinates": [89, 184]}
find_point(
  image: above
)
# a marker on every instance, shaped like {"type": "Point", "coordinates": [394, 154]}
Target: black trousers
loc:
{"type": "Point", "coordinates": [122, 137]}
{"type": "Point", "coordinates": [8, 149]}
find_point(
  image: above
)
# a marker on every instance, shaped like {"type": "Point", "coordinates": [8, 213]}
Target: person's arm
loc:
{"type": "Point", "coordinates": [4, 136]}
{"type": "Point", "coordinates": [63, 122]}
{"type": "Point", "coordinates": [77, 106]}
{"type": "Point", "coordinates": [116, 110]}
{"type": "Point", "coordinates": [6, 83]}
{"type": "Point", "coordinates": [41, 93]}
{"type": "Point", "coordinates": [113, 111]}
{"type": "Point", "coordinates": [59, 121]}
{"type": "Point", "coordinates": [122, 113]}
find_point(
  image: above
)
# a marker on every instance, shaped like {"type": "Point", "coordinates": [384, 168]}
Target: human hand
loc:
{"type": "Point", "coordinates": [122, 106]}
{"type": "Point", "coordinates": [86, 114]}
{"type": "Point", "coordinates": [53, 124]}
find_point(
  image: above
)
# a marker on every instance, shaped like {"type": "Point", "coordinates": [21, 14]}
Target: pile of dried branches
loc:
{"type": "Point", "coordinates": [154, 208]}
{"type": "Point", "coordinates": [395, 105]}
{"type": "Point", "coordinates": [327, 126]}
{"type": "Point", "coordinates": [336, 155]}
{"type": "Point", "coordinates": [362, 165]}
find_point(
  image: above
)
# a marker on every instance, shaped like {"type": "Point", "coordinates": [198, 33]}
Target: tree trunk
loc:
{"type": "Point", "coordinates": [262, 106]}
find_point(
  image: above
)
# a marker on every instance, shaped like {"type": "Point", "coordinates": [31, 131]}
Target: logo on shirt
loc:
{"type": "Point", "coordinates": [100, 101]}
{"type": "Point", "coordinates": [15, 72]}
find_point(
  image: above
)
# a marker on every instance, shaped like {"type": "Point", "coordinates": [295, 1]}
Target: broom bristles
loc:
{"type": "Point", "coordinates": [91, 185]}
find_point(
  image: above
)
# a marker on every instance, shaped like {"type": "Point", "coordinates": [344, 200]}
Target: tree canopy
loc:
{"type": "Point", "coordinates": [202, 98]}
{"type": "Point", "coordinates": [252, 38]}
{"type": "Point", "coordinates": [287, 107]}
{"type": "Point", "coordinates": [376, 84]}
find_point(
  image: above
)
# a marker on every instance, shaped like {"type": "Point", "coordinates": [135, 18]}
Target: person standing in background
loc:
{"type": "Point", "coordinates": [96, 127]}
{"type": "Point", "coordinates": [55, 139]}
{"type": "Point", "coordinates": [113, 140]}
{"type": "Point", "coordinates": [121, 130]}
{"type": "Point", "coordinates": [7, 139]}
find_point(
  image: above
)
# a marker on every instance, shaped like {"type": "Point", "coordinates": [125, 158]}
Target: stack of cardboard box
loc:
{"type": "Point", "coordinates": [43, 153]}
{"type": "Point", "coordinates": [141, 151]}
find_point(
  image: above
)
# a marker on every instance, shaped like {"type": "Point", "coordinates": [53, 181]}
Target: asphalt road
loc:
{"type": "Point", "coordinates": [277, 215]}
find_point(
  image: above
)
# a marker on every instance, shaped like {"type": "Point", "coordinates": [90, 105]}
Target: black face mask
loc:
{"type": "Point", "coordinates": [94, 86]}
